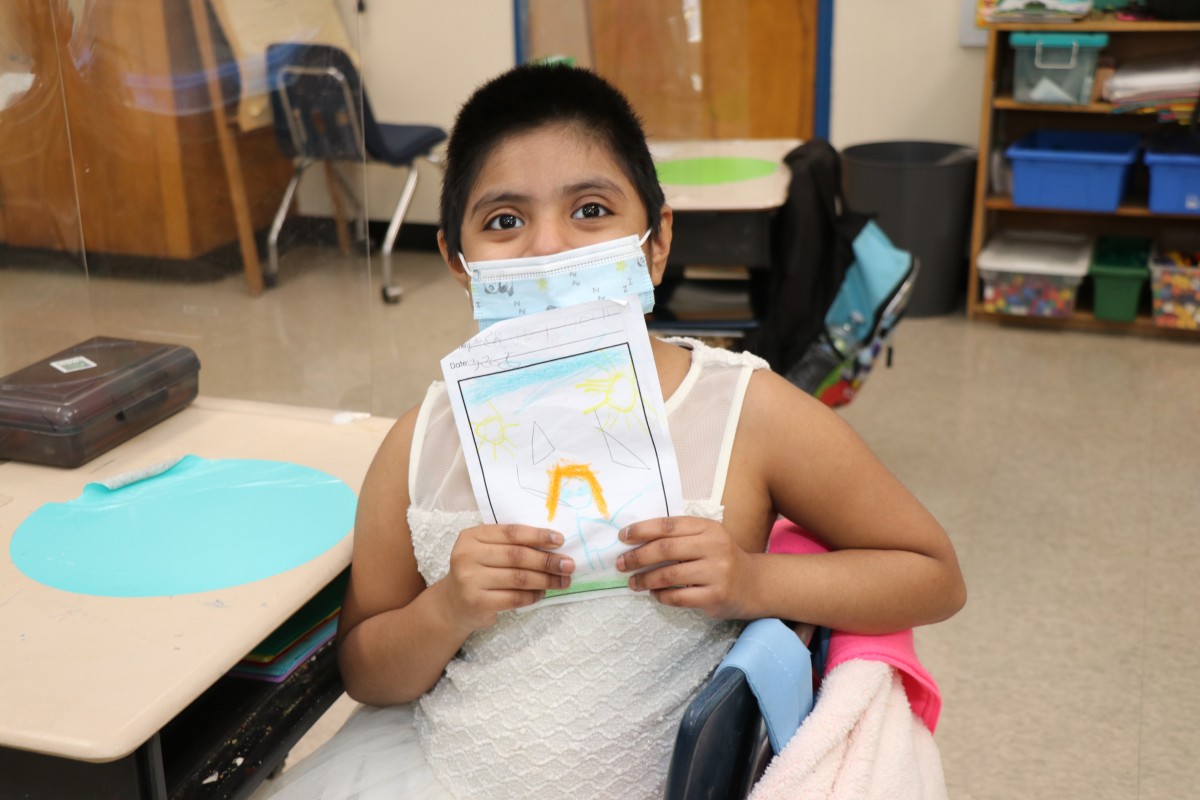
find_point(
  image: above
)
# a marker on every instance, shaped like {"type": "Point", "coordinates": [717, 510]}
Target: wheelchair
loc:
{"type": "Point", "coordinates": [723, 745]}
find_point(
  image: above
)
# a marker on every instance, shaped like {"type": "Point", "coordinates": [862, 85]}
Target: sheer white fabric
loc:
{"type": "Point", "coordinates": [375, 756]}
{"type": "Point", "coordinates": [577, 700]}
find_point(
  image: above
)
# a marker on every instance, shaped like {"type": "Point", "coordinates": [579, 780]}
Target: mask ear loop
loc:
{"type": "Point", "coordinates": [467, 269]}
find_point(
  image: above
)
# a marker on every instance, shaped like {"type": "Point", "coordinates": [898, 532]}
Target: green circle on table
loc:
{"type": "Point", "coordinates": [199, 526]}
{"type": "Point", "coordinates": [713, 170]}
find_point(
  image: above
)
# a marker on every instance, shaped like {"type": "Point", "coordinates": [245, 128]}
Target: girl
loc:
{"type": "Point", "coordinates": [582, 700]}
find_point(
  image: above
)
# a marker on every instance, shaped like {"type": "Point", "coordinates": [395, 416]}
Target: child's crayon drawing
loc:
{"type": "Point", "coordinates": [572, 440]}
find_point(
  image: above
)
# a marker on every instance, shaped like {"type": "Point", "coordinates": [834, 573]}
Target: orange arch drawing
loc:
{"type": "Point", "coordinates": [562, 472]}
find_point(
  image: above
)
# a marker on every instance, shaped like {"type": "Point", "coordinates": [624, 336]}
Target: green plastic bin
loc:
{"type": "Point", "coordinates": [1120, 267]}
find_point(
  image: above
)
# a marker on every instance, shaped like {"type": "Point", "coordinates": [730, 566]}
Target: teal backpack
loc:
{"type": "Point", "coordinates": [858, 325]}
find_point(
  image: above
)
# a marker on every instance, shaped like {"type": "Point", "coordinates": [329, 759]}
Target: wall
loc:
{"type": "Point", "coordinates": [900, 73]}
{"type": "Point", "coordinates": [420, 61]}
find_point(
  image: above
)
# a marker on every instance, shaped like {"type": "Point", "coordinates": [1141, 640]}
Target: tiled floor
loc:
{"type": "Point", "coordinates": [1066, 468]}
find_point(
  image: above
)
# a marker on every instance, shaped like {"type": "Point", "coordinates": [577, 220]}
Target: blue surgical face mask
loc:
{"type": "Point", "coordinates": [513, 287]}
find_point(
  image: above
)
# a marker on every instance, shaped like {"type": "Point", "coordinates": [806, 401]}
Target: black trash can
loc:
{"type": "Point", "coordinates": [921, 196]}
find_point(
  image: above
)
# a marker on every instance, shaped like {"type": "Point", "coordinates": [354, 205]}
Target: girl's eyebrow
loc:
{"type": "Point", "coordinates": [502, 197]}
{"type": "Point", "coordinates": [592, 184]}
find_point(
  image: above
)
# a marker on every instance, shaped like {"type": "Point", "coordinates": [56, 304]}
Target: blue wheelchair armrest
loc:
{"type": "Point", "coordinates": [778, 668]}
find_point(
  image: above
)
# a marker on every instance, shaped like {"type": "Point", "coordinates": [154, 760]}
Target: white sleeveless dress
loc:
{"type": "Point", "coordinates": [579, 700]}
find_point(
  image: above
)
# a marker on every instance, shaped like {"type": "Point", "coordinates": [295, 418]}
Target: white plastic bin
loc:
{"type": "Point", "coordinates": [1034, 273]}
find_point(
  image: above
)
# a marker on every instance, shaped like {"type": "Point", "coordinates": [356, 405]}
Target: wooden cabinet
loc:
{"type": "Point", "coordinates": [116, 142]}
{"type": "Point", "coordinates": [694, 69]}
{"type": "Point", "coordinates": [1005, 120]}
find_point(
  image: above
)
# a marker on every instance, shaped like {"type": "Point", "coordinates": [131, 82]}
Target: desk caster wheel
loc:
{"type": "Point", "coordinates": [270, 279]}
{"type": "Point", "coordinates": [391, 294]}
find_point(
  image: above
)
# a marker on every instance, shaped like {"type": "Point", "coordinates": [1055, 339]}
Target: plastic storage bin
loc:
{"type": "Point", "coordinates": [1120, 267]}
{"type": "Point", "coordinates": [1174, 175]}
{"type": "Point", "coordinates": [1033, 273]}
{"type": "Point", "coordinates": [1056, 68]}
{"type": "Point", "coordinates": [69, 408]}
{"type": "Point", "coordinates": [1175, 288]}
{"type": "Point", "coordinates": [1073, 170]}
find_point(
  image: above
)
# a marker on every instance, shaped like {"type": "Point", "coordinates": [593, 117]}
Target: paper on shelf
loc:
{"type": "Point", "coordinates": [563, 426]}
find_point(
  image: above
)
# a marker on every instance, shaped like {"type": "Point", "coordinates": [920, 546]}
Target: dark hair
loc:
{"type": "Point", "coordinates": [528, 97]}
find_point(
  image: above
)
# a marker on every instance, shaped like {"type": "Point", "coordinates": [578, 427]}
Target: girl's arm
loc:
{"type": "Point", "coordinates": [891, 564]}
{"type": "Point", "coordinates": [395, 634]}
{"type": "Point", "coordinates": [891, 567]}
{"type": "Point", "coordinates": [394, 638]}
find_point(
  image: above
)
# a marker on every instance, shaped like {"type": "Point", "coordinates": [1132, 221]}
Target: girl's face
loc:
{"type": "Point", "coordinates": [548, 190]}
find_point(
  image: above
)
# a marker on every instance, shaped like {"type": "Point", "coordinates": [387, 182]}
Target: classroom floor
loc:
{"type": "Point", "coordinates": [1064, 466]}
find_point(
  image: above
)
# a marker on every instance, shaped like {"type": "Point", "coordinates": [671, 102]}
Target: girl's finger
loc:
{"type": "Point", "coordinates": [684, 597]}
{"type": "Point", "coordinates": [662, 527]}
{"type": "Point", "coordinates": [517, 557]}
{"type": "Point", "coordinates": [687, 573]}
{"type": "Point", "coordinates": [523, 535]}
{"type": "Point", "coordinates": [524, 580]}
{"type": "Point", "coordinates": [508, 599]}
{"type": "Point", "coordinates": [661, 551]}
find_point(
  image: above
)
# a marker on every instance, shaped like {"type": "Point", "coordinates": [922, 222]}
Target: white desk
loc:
{"type": "Point", "coordinates": [94, 678]}
{"type": "Point", "coordinates": [757, 194]}
{"type": "Point", "coordinates": [725, 224]}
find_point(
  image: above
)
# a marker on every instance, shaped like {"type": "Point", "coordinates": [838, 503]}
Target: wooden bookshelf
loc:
{"type": "Point", "coordinates": [1008, 103]}
{"type": "Point", "coordinates": [1004, 119]}
{"type": "Point", "coordinates": [1100, 23]}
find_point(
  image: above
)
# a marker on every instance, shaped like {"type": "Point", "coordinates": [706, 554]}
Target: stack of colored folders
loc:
{"type": "Point", "coordinates": [301, 635]}
{"type": "Point", "coordinates": [1166, 85]}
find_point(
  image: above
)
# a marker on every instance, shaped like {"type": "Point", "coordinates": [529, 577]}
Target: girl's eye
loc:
{"type": "Point", "coordinates": [504, 222]}
{"type": "Point", "coordinates": [590, 211]}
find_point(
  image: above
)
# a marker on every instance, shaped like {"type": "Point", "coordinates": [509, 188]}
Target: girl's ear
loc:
{"type": "Point", "coordinates": [453, 262]}
{"type": "Point", "coordinates": [660, 245]}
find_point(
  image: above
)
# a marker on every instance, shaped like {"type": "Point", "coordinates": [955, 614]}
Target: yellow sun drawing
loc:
{"type": "Point", "coordinates": [493, 430]}
{"type": "Point", "coordinates": [618, 398]}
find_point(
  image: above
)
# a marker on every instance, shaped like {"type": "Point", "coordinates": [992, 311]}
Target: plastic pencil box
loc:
{"type": "Point", "coordinates": [69, 408]}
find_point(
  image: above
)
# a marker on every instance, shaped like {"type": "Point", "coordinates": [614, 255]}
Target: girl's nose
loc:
{"type": "Point", "coordinates": [549, 238]}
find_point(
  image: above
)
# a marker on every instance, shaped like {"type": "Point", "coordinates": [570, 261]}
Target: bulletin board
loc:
{"type": "Point", "coordinates": [971, 32]}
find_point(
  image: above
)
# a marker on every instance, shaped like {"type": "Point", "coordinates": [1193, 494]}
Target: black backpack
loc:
{"type": "Point", "coordinates": [811, 250]}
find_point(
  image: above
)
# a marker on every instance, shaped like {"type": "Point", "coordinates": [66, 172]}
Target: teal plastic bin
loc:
{"type": "Point", "coordinates": [1056, 68]}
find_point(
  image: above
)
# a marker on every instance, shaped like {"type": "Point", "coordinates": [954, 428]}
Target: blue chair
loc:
{"type": "Point", "coordinates": [746, 712]}
{"type": "Point", "coordinates": [318, 103]}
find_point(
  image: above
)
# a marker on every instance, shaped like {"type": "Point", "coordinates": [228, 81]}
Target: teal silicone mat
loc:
{"type": "Point", "coordinates": [199, 526]}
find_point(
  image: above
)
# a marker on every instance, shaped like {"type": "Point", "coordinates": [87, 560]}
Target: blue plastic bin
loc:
{"type": "Point", "coordinates": [1174, 176]}
{"type": "Point", "coordinates": [1073, 170]}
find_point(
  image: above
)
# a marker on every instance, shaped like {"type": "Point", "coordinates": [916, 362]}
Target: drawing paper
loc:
{"type": "Point", "coordinates": [563, 426]}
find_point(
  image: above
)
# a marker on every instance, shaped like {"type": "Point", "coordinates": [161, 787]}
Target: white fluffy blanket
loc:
{"type": "Point", "coordinates": [861, 741]}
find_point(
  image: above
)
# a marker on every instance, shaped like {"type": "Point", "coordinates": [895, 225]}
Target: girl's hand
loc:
{"type": "Point", "coordinates": [702, 566]}
{"type": "Point", "coordinates": [495, 568]}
